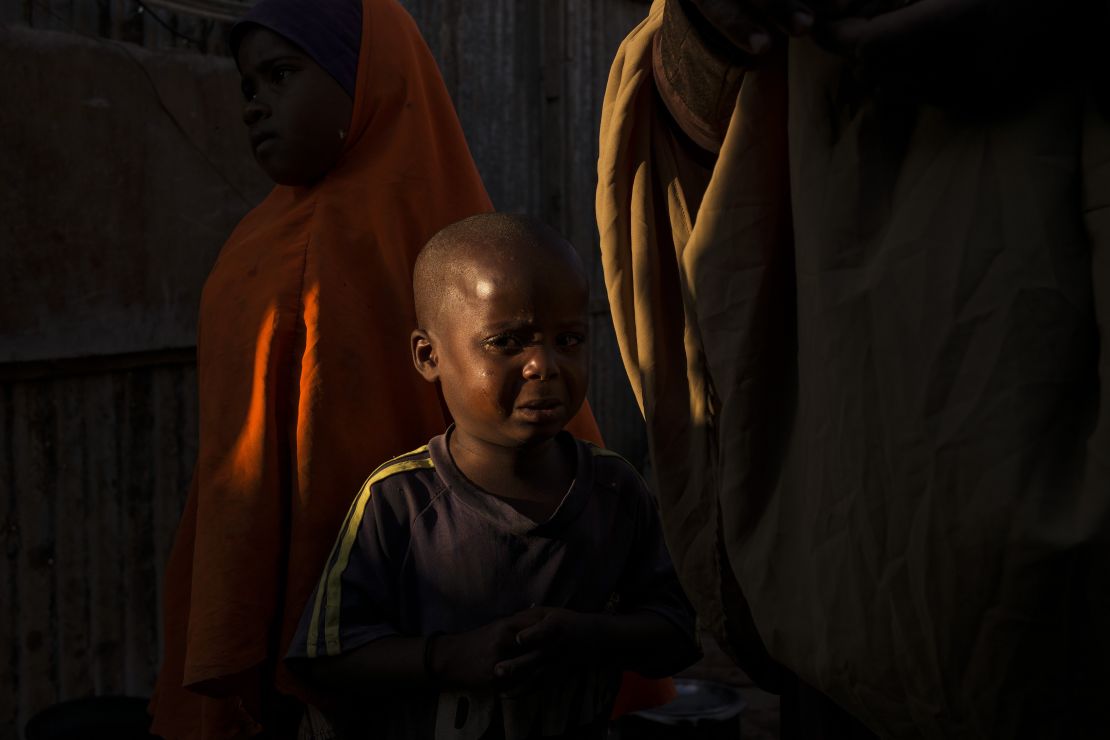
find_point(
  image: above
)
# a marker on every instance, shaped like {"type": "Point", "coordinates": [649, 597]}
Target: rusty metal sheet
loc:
{"type": "Point", "coordinates": [95, 470]}
{"type": "Point", "coordinates": [133, 170]}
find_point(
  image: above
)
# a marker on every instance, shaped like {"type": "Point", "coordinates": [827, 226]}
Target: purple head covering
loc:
{"type": "Point", "coordinates": [329, 31]}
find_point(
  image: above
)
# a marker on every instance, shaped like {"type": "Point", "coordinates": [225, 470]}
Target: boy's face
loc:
{"type": "Point", "coordinates": [509, 350]}
{"type": "Point", "coordinates": [294, 110]}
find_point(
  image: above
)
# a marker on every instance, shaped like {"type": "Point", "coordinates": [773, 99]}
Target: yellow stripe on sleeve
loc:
{"type": "Point", "coordinates": [343, 544]}
{"type": "Point", "coordinates": [311, 639]}
{"type": "Point", "coordinates": [354, 508]}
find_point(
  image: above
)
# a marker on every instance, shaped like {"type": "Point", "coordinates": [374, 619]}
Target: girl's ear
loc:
{"type": "Point", "coordinates": [424, 355]}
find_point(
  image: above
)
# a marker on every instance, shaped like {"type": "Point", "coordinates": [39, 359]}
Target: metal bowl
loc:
{"type": "Point", "coordinates": [697, 701]}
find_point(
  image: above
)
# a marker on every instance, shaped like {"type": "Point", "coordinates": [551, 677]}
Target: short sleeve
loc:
{"type": "Point", "coordinates": [649, 582]}
{"type": "Point", "coordinates": [355, 600]}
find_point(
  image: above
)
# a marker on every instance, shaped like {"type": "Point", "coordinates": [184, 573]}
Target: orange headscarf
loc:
{"type": "Point", "coordinates": [306, 383]}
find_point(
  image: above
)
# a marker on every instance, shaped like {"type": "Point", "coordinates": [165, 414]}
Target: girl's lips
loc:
{"type": "Point", "coordinates": [260, 140]}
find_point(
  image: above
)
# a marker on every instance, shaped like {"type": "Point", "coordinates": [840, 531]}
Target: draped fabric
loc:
{"type": "Point", "coordinates": [869, 339]}
{"type": "Point", "coordinates": [306, 384]}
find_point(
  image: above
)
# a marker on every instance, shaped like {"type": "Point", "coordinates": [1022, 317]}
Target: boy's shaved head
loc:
{"type": "Point", "coordinates": [502, 303]}
{"type": "Point", "coordinates": [489, 246]}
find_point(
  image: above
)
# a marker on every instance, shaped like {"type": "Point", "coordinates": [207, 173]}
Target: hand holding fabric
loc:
{"type": "Point", "coordinates": [974, 54]}
{"type": "Point", "coordinates": [753, 25]}
{"type": "Point", "coordinates": [866, 32]}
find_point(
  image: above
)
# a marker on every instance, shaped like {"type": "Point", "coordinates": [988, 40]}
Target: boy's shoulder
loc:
{"type": "Point", "coordinates": [408, 479]}
{"type": "Point", "coordinates": [412, 480]}
{"type": "Point", "coordinates": [604, 456]}
{"type": "Point", "coordinates": [612, 470]}
{"type": "Point", "coordinates": [415, 460]}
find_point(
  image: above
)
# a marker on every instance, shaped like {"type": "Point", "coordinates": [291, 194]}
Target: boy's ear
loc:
{"type": "Point", "coordinates": [424, 355]}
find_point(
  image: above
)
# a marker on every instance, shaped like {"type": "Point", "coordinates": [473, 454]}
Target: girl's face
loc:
{"type": "Point", "coordinates": [296, 113]}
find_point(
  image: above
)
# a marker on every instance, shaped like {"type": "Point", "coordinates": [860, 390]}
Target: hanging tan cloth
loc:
{"type": "Point", "coordinates": [871, 341]}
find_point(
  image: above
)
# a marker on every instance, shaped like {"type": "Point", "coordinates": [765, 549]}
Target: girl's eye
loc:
{"type": "Point", "coordinates": [248, 90]}
{"type": "Point", "coordinates": [281, 74]}
{"type": "Point", "coordinates": [571, 340]}
{"type": "Point", "coordinates": [504, 343]}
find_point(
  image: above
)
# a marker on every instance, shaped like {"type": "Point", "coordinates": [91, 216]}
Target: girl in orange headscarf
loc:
{"type": "Point", "coordinates": [304, 374]}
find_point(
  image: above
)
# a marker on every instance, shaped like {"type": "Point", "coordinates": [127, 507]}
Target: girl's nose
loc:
{"type": "Point", "coordinates": [254, 111]}
{"type": "Point", "coordinates": [542, 364]}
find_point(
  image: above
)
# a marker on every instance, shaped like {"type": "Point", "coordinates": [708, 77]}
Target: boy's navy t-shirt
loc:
{"type": "Point", "coordinates": [424, 550]}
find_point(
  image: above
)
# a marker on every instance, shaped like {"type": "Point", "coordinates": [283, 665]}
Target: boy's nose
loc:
{"type": "Point", "coordinates": [542, 364]}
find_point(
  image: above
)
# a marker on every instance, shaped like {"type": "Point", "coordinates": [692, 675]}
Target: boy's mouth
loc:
{"type": "Point", "coordinates": [542, 410]}
{"type": "Point", "coordinates": [541, 404]}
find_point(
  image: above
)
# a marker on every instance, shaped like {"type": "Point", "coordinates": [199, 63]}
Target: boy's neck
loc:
{"type": "Point", "coordinates": [541, 472]}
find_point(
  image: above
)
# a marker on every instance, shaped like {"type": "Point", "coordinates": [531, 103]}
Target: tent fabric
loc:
{"type": "Point", "coordinates": [869, 341]}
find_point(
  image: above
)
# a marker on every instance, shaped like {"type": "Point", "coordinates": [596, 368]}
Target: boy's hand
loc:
{"type": "Point", "coordinates": [468, 659]}
{"type": "Point", "coordinates": [554, 635]}
{"type": "Point", "coordinates": [642, 641]}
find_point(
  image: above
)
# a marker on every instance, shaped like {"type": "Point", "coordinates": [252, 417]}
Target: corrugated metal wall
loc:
{"type": "Point", "coordinates": [146, 24]}
{"type": "Point", "coordinates": [96, 452]}
{"type": "Point", "coordinates": [98, 464]}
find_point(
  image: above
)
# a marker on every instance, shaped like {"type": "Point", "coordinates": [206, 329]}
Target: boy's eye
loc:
{"type": "Point", "coordinates": [281, 74]}
{"type": "Point", "coordinates": [504, 343]}
{"type": "Point", "coordinates": [571, 340]}
{"type": "Point", "coordinates": [248, 90]}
